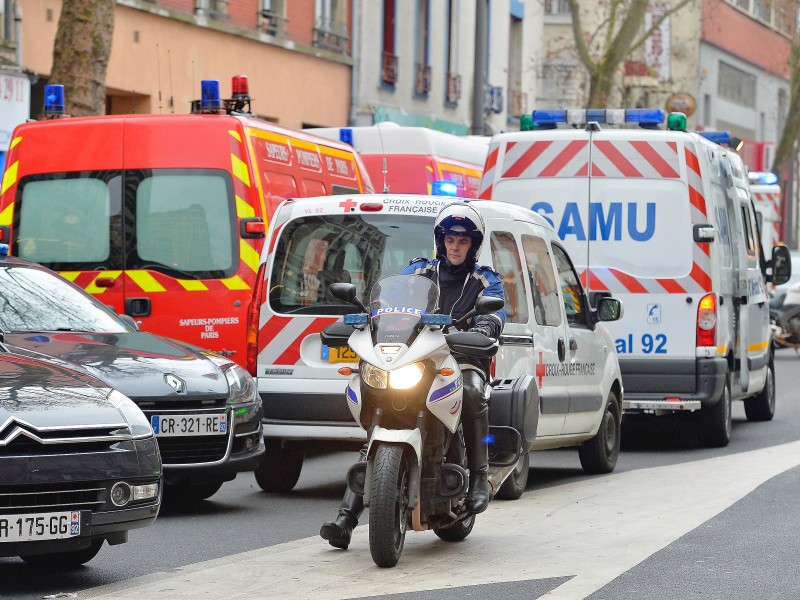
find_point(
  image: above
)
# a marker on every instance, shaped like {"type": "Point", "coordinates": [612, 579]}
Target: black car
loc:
{"type": "Point", "coordinates": [79, 463]}
{"type": "Point", "coordinates": [205, 409]}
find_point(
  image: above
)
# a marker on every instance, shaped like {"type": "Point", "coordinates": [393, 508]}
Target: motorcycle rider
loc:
{"type": "Point", "coordinates": [458, 235]}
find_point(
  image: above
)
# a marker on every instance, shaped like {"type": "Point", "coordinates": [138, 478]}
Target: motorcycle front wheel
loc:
{"type": "Point", "coordinates": [388, 504]}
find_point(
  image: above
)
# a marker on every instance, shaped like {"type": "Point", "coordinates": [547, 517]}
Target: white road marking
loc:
{"type": "Point", "coordinates": [592, 531]}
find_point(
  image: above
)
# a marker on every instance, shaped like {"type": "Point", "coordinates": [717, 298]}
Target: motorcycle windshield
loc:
{"type": "Point", "coordinates": [396, 305]}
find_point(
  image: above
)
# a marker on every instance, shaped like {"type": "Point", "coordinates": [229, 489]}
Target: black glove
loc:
{"type": "Point", "coordinates": [482, 330]}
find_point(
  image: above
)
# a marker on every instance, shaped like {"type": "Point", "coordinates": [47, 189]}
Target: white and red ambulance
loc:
{"type": "Point", "coordinates": [664, 221]}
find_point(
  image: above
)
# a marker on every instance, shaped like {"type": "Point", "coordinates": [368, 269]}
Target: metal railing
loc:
{"type": "Point", "coordinates": [331, 35]}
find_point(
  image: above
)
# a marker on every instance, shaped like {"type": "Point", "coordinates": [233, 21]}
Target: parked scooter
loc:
{"type": "Point", "coordinates": [407, 394]}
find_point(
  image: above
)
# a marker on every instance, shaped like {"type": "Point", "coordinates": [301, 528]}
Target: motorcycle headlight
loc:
{"type": "Point", "coordinates": [241, 386]}
{"type": "Point", "coordinates": [406, 377]}
{"type": "Point", "coordinates": [133, 415]}
{"type": "Point", "coordinates": [373, 376]}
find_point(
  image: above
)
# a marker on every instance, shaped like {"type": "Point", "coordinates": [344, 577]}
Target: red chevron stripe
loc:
{"type": "Point", "coordinates": [566, 155]}
{"type": "Point", "coordinates": [291, 356]}
{"type": "Point", "coordinates": [671, 286]}
{"type": "Point", "coordinates": [527, 158]}
{"type": "Point", "coordinates": [270, 330]}
{"type": "Point", "coordinates": [610, 151]}
{"type": "Point", "coordinates": [491, 160]}
{"type": "Point", "coordinates": [595, 283]}
{"type": "Point", "coordinates": [692, 162]}
{"type": "Point", "coordinates": [701, 277]}
{"type": "Point", "coordinates": [486, 194]}
{"type": "Point", "coordinates": [655, 159]}
{"type": "Point", "coordinates": [631, 283]}
{"type": "Point", "coordinates": [698, 200]}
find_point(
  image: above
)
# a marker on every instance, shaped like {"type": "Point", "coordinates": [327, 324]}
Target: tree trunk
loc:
{"type": "Point", "coordinates": [791, 129]}
{"type": "Point", "coordinates": [600, 85]}
{"type": "Point", "coordinates": [81, 54]}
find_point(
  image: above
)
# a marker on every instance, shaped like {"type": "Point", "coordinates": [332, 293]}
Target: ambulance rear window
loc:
{"type": "Point", "coordinates": [314, 252]}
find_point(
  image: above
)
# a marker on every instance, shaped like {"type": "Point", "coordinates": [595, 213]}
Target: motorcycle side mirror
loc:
{"type": "Point", "coordinates": [346, 292]}
{"type": "Point", "coordinates": [486, 305]}
{"type": "Point", "coordinates": [781, 264]}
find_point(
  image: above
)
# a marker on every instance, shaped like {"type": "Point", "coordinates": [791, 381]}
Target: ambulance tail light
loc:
{"type": "Point", "coordinates": [707, 321]}
{"type": "Point", "coordinates": [252, 321]}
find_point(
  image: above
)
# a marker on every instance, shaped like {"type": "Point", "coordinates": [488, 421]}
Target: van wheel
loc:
{"type": "Point", "coordinates": [714, 423]}
{"type": "Point", "coordinates": [599, 454]}
{"type": "Point", "coordinates": [761, 407]}
{"type": "Point", "coordinates": [515, 484]}
{"type": "Point", "coordinates": [281, 468]}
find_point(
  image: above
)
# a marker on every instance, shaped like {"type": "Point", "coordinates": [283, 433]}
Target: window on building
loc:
{"type": "Point", "coordinates": [762, 9]}
{"type": "Point", "coordinates": [736, 85]}
{"type": "Point", "coordinates": [743, 4]}
{"type": "Point", "coordinates": [423, 70]}
{"type": "Point", "coordinates": [517, 101]}
{"type": "Point", "coordinates": [453, 82]}
{"type": "Point", "coordinates": [330, 25]}
{"type": "Point", "coordinates": [556, 7]}
{"type": "Point", "coordinates": [707, 110]}
{"type": "Point", "coordinates": [216, 9]}
{"type": "Point", "coordinates": [389, 58]}
{"type": "Point", "coordinates": [557, 82]}
{"type": "Point", "coordinates": [272, 16]}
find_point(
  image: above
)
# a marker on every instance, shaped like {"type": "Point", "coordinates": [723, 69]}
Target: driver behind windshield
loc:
{"type": "Point", "coordinates": [458, 235]}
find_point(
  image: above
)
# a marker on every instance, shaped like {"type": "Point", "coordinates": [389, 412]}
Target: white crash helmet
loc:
{"type": "Point", "coordinates": [458, 218]}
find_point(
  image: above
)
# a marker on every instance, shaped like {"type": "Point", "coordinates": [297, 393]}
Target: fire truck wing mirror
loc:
{"type": "Point", "coordinates": [704, 233]}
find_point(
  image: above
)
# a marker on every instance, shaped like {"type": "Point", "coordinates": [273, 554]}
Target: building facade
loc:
{"type": "Point", "coordinates": [296, 55]}
{"type": "Point", "coordinates": [15, 85]}
{"type": "Point", "coordinates": [414, 63]}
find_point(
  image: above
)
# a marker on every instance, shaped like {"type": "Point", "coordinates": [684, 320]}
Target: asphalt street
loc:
{"type": "Point", "coordinates": [672, 521]}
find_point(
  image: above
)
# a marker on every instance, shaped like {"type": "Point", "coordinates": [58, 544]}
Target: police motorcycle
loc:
{"type": "Point", "coordinates": [406, 392]}
{"type": "Point", "coordinates": [784, 318]}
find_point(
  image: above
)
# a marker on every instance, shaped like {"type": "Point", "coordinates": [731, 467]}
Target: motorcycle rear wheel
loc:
{"type": "Point", "coordinates": [388, 504]}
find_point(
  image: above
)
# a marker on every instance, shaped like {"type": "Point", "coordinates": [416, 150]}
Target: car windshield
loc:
{"type": "Point", "coordinates": [396, 305]}
{"type": "Point", "coordinates": [33, 300]}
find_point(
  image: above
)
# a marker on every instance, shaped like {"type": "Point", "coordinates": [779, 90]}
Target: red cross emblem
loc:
{"type": "Point", "coordinates": [348, 205]}
{"type": "Point", "coordinates": [540, 369]}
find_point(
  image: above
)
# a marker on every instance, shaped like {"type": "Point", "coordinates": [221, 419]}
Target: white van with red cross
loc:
{"type": "Point", "coordinates": [663, 220]}
{"type": "Point", "coordinates": [553, 348]}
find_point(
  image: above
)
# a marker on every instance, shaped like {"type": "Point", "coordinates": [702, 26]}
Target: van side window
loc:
{"type": "Point", "coordinates": [748, 231]}
{"type": "Point", "coordinates": [184, 222]}
{"type": "Point", "coordinates": [571, 289]}
{"type": "Point", "coordinates": [546, 307]}
{"type": "Point", "coordinates": [70, 221]}
{"type": "Point", "coordinates": [507, 263]}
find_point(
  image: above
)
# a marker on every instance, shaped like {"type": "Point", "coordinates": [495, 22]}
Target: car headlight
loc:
{"type": "Point", "coordinates": [406, 377]}
{"type": "Point", "coordinates": [242, 387]}
{"type": "Point", "coordinates": [373, 376]}
{"type": "Point", "coordinates": [133, 415]}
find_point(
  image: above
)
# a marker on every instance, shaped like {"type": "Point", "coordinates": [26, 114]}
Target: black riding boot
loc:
{"type": "Point", "coordinates": [339, 531]}
{"type": "Point", "coordinates": [475, 431]}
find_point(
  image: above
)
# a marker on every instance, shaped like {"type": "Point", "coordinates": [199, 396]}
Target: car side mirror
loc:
{"type": "Point", "coordinates": [781, 264]}
{"type": "Point", "coordinates": [609, 309]}
{"type": "Point", "coordinates": [486, 305]}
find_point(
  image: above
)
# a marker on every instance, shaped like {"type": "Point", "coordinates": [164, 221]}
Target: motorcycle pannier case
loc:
{"type": "Point", "coordinates": [515, 403]}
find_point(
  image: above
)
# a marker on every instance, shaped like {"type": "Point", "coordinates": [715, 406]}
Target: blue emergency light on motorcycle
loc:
{"type": "Point", "coordinates": [209, 95]}
{"type": "Point", "coordinates": [436, 320]}
{"type": "Point", "coordinates": [762, 178]}
{"type": "Point", "coordinates": [356, 319]}
{"type": "Point", "coordinates": [443, 187]}
{"type": "Point", "coordinates": [645, 117]}
{"type": "Point", "coordinates": [54, 100]}
{"type": "Point", "coordinates": [346, 135]}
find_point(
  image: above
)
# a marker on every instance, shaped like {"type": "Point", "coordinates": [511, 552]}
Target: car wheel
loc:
{"type": "Point", "coordinates": [281, 467]}
{"type": "Point", "coordinates": [515, 484]}
{"type": "Point", "coordinates": [64, 560]}
{"type": "Point", "coordinates": [761, 407]}
{"type": "Point", "coordinates": [599, 454]}
{"type": "Point", "coordinates": [714, 423]}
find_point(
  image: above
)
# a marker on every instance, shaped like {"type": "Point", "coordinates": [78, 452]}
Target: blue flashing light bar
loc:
{"type": "Point", "coordinates": [356, 319]}
{"type": "Point", "coordinates": [646, 117]}
{"type": "Point", "coordinates": [432, 319]}
{"type": "Point", "coordinates": [346, 135]}
{"type": "Point", "coordinates": [762, 177]}
{"type": "Point", "coordinates": [718, 137]}
{"type": "Point", "coordinates": [209, 95]}
{"type": "Point", "coordinates": [443, 187]}
{"type": "Point", "coordinates": [3, 250]}
{"type": "Point", "coordinates": [54, 100]}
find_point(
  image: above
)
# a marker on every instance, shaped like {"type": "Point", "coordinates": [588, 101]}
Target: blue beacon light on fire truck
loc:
{"type": "Point", "coordinates": [444, 187]}
{"type": "Point", "coordinates": [209, 95]}
{"type": "Point", "coordinates": [54, 100]}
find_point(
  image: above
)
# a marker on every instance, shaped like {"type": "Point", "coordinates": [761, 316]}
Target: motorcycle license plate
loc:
{"type": "Point", "coordinates": [186, 425]}
{"type": "Point", "coordinates": [39, 526]}
{"type": "Point", "coordinates": [339, 355]}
